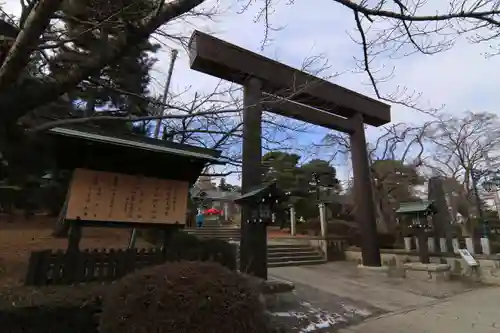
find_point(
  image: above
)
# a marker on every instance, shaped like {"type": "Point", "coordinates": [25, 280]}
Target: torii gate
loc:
{"type": "Point", "coordinates": [279, 88]}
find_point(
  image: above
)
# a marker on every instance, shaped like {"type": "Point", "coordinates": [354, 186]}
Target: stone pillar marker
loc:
{"type": "Point", "coordinates": [455, 244]}
{"type": "Point", "coordinates": [485, 245]}
{"type": "Point", "coordinates": [469, 244]}
{"type": "Point", "coordinates": [431, 245]}
{"type": "Point", "coordinates": [322, 219]}
{"type": "Point", "coordinates": [226, 211]}
{"type": "Point", "coordinates": [293, 221]}
{"type": "Point", "coordinates": [443, 246]}
{"type": "Point", "coordinates": [408, 243]}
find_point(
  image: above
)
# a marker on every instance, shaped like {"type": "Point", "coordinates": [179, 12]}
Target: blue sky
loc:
{"type": "Point", "coordinates": [462, 78]}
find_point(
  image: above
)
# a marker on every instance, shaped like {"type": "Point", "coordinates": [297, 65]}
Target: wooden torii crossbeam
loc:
{"type": "Point", "coordinates": [284, 90]}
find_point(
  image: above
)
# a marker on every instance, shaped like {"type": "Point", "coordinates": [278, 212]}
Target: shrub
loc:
{"type": "Point", "coordinates": [334, 227]}
{"type": "Point", "coordinates": [495, 247]}
{"type": "Point", "coordinates": [43, 319]}
{"type": "Point", "coordinates": [183, 297]}
{"type": "Point", "coordinates": [57, 309]}
{"type": "Point", "coordinates": [219, 251]}
{"type": "Point", "coordinates": [183, 246]}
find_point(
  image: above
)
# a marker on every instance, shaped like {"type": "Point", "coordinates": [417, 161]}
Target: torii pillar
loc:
{"type": "Point", "coordinates": [253, 246]}
{"type": "Point", "coordinates": [363, 191]}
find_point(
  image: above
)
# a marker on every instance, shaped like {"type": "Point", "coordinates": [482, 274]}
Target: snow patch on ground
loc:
{"type": "Point", "coordinates": [315, 319]}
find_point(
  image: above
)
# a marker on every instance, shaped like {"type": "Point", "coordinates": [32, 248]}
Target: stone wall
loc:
{"type": "Point", "coordinates": [488, 271]}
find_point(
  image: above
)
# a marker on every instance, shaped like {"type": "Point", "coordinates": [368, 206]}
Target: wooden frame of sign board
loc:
{"type": "Point", "coordinates": [152, 168]}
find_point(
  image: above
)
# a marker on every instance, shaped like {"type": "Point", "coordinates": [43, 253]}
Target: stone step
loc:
{"type": "Point", "coordinates": [291, 253]}
{"type": "Point", "coordinates": [210, 229]}
{"type": "Point", "coordinates": [225, 237]}
{"type": "Point", "coordinates": [288, 248]}
{"type": "Point", "coordinates": [201, 233]}
{"type": "Point", "coordinates": [296, 263]}
{"type": "Point", "coordinates": [214, 233]}
{"type": "Point", "coordinates": [301, 258]}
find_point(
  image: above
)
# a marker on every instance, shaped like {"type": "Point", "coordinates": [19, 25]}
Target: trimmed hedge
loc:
{"type": "Point", "coordinates": [55, 309]}
{"type": "Point", "coordinates": [190, 297]}
{"type": "Point", "coordinates": [45, 319]}
{"type": "Point", "coordinates": [183, 246]}
{"type": "Point", "coordinates": [77, 309]}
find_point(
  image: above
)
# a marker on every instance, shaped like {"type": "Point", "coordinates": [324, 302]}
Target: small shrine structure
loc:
{"type": "Point", "coordinates": [418, 217]}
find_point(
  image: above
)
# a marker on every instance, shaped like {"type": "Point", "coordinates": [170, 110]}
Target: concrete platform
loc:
{"type": "Point", "coordinates": [377, 270]}
{"type": "Point", "coordinates": [427, 272]}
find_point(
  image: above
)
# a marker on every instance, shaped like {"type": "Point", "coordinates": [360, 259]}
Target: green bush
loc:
{"type": "Point", "coordinates": [58, 309]}
{"type": "Point", "coordinates": [44, 319]}
{"type": "Point", "coordinates": [183, 246]}
{"type": "Point", "coordinates": [334, 227]}
{"type": "Point", "coordinates": [219, 251]}
{"type": "Point", "coordinates": [190, 297]}
{"type": "Point", "coordinates": [495, 247]}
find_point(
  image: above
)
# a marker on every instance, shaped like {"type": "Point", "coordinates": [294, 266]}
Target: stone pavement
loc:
{"type": "Point", "coordinates": [476, 311]}
{"type": "Point", "coordinates": [308, 309]}
{"type": "Point", "coordinates": [389, 294]}
{"type": "Point", "coordinates": [390, 305]}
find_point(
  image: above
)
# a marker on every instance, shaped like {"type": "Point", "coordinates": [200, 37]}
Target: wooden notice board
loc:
{"type": "Point", "coordinates": [114, 197]}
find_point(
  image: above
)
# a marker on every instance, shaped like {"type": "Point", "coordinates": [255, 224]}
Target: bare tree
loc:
{"type": "Point", "coordinates": [385, 28]}
{"type": "Point", "coordinates": [215, 121]}
{"type": "Point", "coordinates": [459, 145]}
{"type": "Point", "coordinates": [399, 28]}
{"type": "Point", "coordinates": [394, 157]}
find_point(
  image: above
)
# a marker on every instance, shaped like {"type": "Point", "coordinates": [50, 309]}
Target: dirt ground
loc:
{"type": "Point", "coordinates": [20, 237]}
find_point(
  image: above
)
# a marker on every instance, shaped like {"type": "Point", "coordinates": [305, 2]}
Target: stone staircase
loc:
{"type": "Point", "coordinates": [218, 232]}
{"type": "Point", "coordinates": [279, 254]}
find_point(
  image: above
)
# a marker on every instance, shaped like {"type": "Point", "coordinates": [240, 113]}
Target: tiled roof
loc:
{"type": "Point", "coordinates": [415, 207]}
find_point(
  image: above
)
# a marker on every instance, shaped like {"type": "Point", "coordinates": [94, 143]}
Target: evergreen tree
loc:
{"type": "Point", "coordinates": [120, 87]}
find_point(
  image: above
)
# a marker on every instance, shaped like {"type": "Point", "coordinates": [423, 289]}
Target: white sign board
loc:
{"type": "Point", "coordinates": [469, 259]}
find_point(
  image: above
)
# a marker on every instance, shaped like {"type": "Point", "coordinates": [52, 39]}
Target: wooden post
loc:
{"type": "Point", "coordinates": [253, 248]}
{"type": "Point", "coordinates": [365, 208]}
{"type": "Point", "coordinates": [167, 233]}
{"type": "Point", "coordinates": [73, 252]}
{"type": "Point", "coordinates": [74, 237]}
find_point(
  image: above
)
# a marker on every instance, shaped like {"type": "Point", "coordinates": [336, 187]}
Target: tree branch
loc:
{"type": "Point", "coordinates": [46, 92]}
{"type": "Point", "coordinates": [64, 122]}
{"type": "Point", "coordinates": [26, 42]}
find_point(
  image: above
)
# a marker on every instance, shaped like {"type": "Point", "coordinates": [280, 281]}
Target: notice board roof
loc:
{"type": "Point", "coordinates": [141, 143]}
